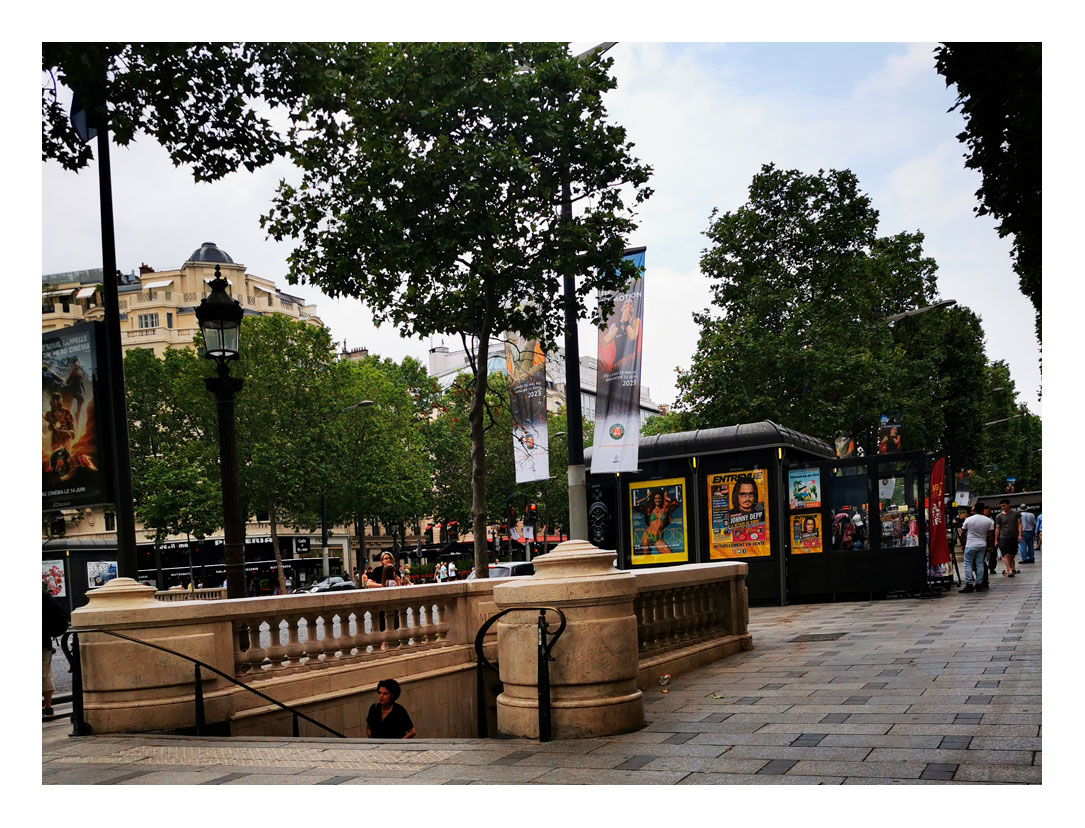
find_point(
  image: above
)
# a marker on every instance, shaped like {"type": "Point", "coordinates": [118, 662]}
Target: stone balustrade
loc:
{"type": "Point", "coordinates": [205, 594]}
{"type": "Point", "coordinates": [325, 652]}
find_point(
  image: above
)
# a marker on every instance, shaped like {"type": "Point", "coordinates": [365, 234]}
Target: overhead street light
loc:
{"type": "Point", "coordinates": [896, 317]}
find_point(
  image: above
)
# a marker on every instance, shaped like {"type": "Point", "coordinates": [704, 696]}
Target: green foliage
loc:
{"type": "Point", "coordinates": [797, 332]}
{"type": "Point", "coordinates": [669, 423]}
{"type": "Point", "coordinates": [198, 100]}
{"type": "Point", "coordinates": [1000, 96]}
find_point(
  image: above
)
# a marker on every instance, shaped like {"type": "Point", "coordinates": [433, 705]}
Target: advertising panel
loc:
{"type": "Point", "coordinates": [73, 468]}
{"type": "Point", "coordinates": [738, 514]}
{"type": "Point", "coordinates": [658, 522]}
{"type": "Point", "coordinates": [888, 436]}
{"type": "Point", "coordinates": [526, 366]}
{"type": "Point", "coordinates": [806, 534]}
{"type": "Point", "coordinates": [617, 406]}
{"type": "Point", "coordinates": [99, 572]}
{"type": "Point", "coordinates": [52, 575]}
{"type": "Point", "coordinates": [804, 488]}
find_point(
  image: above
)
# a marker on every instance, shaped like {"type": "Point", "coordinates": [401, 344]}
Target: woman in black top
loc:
{"type": "Point", "coordinates": [386, 719]}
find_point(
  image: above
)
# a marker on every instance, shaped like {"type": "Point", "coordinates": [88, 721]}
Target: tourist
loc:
{"type": "Point", "coordinates": [387, 719]}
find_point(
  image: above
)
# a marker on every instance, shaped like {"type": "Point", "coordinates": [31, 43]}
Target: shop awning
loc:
{"type": "Point", "coordinates": [158, 284]}
{"type": "Point", "coordinates": [86, 292]}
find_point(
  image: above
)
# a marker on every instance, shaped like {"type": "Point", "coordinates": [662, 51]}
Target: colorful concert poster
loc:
{"type": "Point", "coordinates": [804, 488]}
{"type": "Point", "coordinates": [617, 406]}
{"type": "Point", "coordinates": [738, 514]}
{"type": "Point", "coordinates": [526, 366]}
{"type": "Point", "coordinates": [657, 511]}
{"type": "Point", "coordinates": [73, 473]}
{"type": "Point", "coordinates": [806, 534]}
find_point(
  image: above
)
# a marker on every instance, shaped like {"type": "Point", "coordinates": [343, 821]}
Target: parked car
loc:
{"type": "Point", "coordinates": [507, 570]}
{"type": "Point", "coordinates": [333, 583]}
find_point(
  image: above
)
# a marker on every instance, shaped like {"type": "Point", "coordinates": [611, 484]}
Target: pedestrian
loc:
{"type": "Point", "coordinates": [387, 719]}
{"type": "Point", "coordinates": [1039, 530]}
{"type": "Point", "coordinates": [977, 532]}
{"type": "Point", "coordinates": [442, 572]}
{"type": "Point", "coordinates": [1007, 536]}
{"type": "Point", "coordinates": [406, 574]}
{"type": "Point", "coordinates": [54, 623]}
{"type": "Point", "coordinates": [1026, 549]}
{"type": "Point", "coordinates": [452, 570]}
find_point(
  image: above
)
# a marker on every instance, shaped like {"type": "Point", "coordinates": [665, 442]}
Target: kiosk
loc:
{"type": "Point", "coordinates": [810, 526]}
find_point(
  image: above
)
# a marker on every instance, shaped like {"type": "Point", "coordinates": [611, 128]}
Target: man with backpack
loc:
{"type": "Point", "coordinates": [54, 623]}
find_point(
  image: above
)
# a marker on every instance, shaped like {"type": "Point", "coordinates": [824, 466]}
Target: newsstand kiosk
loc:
{"type": "Point", "coordinates": [809, 526]}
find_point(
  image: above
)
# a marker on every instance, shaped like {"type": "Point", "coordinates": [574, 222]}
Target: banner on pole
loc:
{"type": "Point", "coordinates": [936, 531]}
{"type": "Point", "coordinates": [617, 405]}
{"type": "Point", "coordinates": [526, 365]}
{"type": "Point", "coordinates": [75, 470]}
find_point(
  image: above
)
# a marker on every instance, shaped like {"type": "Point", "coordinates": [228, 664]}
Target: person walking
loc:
{"type": "Point", "coordinates": [442, 573]}
{"type": "Point", "coordinates": [1007, 536]}
{"type": "Point", "coordinates": [452, 570]}
{"type": "Point", "coordinates": [977, 533]}
{"type": "Point", "coordinates": [1026, 549]}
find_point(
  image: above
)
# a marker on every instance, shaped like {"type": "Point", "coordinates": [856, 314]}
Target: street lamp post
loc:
{"type": "Point", "coordinates": [220, 320]}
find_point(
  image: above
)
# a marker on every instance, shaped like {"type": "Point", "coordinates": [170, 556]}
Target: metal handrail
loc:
{"type": "Point", "coordinates": [545, 658]}
{"type": "Point", "coordinates": [80, 726]}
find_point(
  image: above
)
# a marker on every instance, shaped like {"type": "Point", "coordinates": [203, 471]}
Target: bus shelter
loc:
{"type": "Point", "coordinates": [810, 526]}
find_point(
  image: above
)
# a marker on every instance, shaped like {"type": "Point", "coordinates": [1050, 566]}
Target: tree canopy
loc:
{"type": "Point", "coordinates": [433, 176]}
{"type": "Point", "coordinates": [1000, 96]}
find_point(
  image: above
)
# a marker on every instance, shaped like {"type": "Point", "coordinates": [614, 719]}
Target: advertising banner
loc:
{"type": "Point", "coordinates": [888, 436]}
{"type": "Point", "coordinates": [99, 572]}
{"type": "Point", "coordinates": [658, 522]}
{"type": "Point", "coordinates": [804, 488]}
{"type": "Point", "coordinates": [964, 487]}
{"type": "Point", "coordinates": [526, 365]}
{"type": "Point", "coordinates": [73, 469]}
{"type": "Point", "coordinates": [52, 574]}
{"type": "Point", "coordinates": [936, 529]}
{"type": "Point", "coordinates": [806, 534]}
{"type": "Point", "coordinates": [738, 514]}
{"type": "Point", "coordinates": [617, 405]}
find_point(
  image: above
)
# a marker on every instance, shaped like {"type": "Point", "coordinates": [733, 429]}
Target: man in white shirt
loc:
{"type": "Point", "coordinates": [452, 570]}
{"type": "Point", "coordinates": [977, 532]}
{"type": "Point", "coordinates": [1026, 550]}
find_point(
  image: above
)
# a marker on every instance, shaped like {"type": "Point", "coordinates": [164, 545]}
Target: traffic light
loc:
{"type": "Point", "coordinates": [530, 514]}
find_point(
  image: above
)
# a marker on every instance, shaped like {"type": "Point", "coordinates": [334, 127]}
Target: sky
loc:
{"type": "Point", "coordinates": [706, 117]}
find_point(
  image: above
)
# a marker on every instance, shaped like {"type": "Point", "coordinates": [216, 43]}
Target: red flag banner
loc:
{"type": "Point", "coordinates": [936, 524]}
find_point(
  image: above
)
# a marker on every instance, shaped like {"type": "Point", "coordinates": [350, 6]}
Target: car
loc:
{"type": "Point", "coordinates": [333, 583]}
{"type": "Point", "coordinates": [509, 569]}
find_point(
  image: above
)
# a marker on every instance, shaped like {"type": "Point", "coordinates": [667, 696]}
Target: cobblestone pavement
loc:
{"type": "Point", "coordinates": [906, 691]}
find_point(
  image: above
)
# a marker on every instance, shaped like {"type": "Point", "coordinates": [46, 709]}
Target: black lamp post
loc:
{"type": "Point", "coordinates": [220, 321]}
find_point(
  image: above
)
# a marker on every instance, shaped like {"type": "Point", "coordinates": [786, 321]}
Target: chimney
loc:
{"type": "Point", "coordinates": [144, 269]}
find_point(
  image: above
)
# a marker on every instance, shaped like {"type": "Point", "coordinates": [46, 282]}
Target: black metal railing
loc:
{"type": "Point", "coordinates": [544, 648]}
{"type": "Point", "coordinates": [69, 643]}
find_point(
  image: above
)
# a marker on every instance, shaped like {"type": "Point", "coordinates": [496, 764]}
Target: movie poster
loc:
{"type": "Point", "coordinates": [617, 405]}
{"type": "Point", "coordinates": [806, 534]}
{"type": "Point", "coordinates": [526, 366]}
{"type": "Point", "coordinates": [804, 488]}
{"type": "Point", "coordinates": [73, 472]}
{"type": "Point", "coordinates": [99, 572]}
{"type": "Point", "coordinates": [52, 575]}
{"type": "Point", "coordinates": [738, 514]}
{"type": "Point", "coordinates": [657, 511]}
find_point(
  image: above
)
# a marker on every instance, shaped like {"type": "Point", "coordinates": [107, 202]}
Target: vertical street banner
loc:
{"type": "Point", "coordinates": [74, 468]}
{"type": "Point", "coordinates": [936, 530]}
{"type": "Point", "coordinates": [526, 366]}
{"type": "Point", "coordinates": [617, 405]}
{"type": "Point", "coordinates": [657, 516]}
{"type": "Point", "coordinates": [738, 514]}
{"type": "Point", "coordinates": [964, 485]}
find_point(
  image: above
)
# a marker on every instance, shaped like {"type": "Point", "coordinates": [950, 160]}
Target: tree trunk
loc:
{"type": "Point", "coordinates": [478, 434]}
{"type": "Point", "coordinates": [275, 546]}
{"type": "Point", "coordinates": [363, 557]}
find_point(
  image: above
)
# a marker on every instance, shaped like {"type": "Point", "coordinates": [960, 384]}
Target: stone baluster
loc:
{"type": "Point", "coordinates": [275, 649]}
{"type": "Point", "coordinates": [428, 631]}
{"type": "Point", "coordinates": [294, 649]}
{"type": "Point", "coordinates": [254, 655]}
{"type": "Point", "coordinates": [243, 642]}
{"type": "Point", "coordinates": [440, 621]}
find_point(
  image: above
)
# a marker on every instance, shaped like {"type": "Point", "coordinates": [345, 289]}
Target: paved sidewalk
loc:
{"type": "Point", "coordinates": [923, 691]}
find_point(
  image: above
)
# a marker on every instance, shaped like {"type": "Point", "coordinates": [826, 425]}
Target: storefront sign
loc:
{"type": "Point", "coordinates": [738, 514]}
{"type": "Point", "coordinates": [658, 522]}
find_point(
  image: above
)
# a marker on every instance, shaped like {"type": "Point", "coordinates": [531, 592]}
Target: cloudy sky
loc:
{"type": "Point", "coordinates": [706, 117]}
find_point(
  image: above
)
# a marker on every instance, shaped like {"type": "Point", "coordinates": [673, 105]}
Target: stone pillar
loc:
{"type": "Point", "coordinates": [593, 679]}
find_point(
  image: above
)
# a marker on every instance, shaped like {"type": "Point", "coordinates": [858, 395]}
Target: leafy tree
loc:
{"type": "Point", "coordinates": [797, 332]}
{"type": "Point", "coordinates": [432, 174]}
{"type": "Point", "coordinates": [1010, 438]}
{"type": "Point", "coordinates": [669, 423]}
{"type": "Point", "coordinates": [282, 420]}
{"type": "Point", "coordinates": [1000, 96]}
{"type": "Point", "coordinates": [201, 101]}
